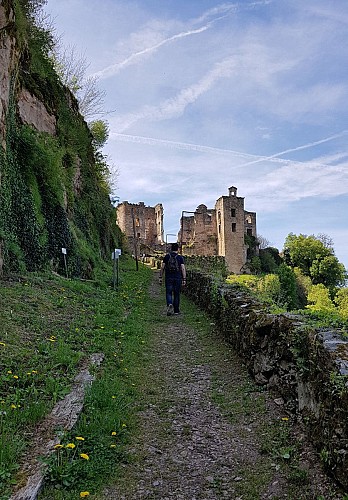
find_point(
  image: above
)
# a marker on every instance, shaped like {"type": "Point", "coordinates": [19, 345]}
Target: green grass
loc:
{"type": "Point", "coordinates": [49, 327]}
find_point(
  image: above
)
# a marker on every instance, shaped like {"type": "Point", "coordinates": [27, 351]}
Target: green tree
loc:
{"type": "Point", "coordinates": [288, 288]}
{"type": "Point", "coordinates": [319, 299]}
{"type": "Point", "coordinates": [341, 301]}
{"type": "Point", "coordinates": [315, 257]}
{"type": "Point", "coordinates": [304, 284]}
{"type": "Point", "coordinates": [100, 132]}
{"type": "Point", "coordinates": [270, 259]}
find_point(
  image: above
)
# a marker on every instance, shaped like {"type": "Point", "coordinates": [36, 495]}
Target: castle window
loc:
{"type": "Point", "coordinates": [249, 231]}
{"type": "Point", "coordinates": [138, 235]}
{"type": "Point", "coordinates": [234, 226]}
{"type": "Point", "coordinates": [137, 222]}
{"type": "Point", "coordinates": [233, 212]}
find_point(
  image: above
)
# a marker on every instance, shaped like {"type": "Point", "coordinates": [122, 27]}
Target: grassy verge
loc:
{"type": "Point", "coordinates": [49, 326]}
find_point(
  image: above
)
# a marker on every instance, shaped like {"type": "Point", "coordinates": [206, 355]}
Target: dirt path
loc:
{"type": "Point", "coordinates": [206, 432]}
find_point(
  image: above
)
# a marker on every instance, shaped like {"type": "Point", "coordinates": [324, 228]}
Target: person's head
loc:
{"type": "Point", "coordinates": [175, 247]}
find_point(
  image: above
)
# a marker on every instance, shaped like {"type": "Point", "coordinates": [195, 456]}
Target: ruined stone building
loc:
{"type": "Point", "coordinates": [221, 231]}
{"type": "Point", "coordinates": [143, 222]}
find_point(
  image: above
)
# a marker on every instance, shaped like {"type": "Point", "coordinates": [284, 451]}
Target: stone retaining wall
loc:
{"type": "Point", "coordinates": [307, 367]}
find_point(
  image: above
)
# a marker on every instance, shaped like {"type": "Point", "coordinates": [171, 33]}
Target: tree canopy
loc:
{"type": "Point", "coordinates": [315, 257]}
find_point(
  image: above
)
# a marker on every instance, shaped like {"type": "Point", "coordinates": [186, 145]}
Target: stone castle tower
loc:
{"type": "Point", "coordinates": [220, 231]}
{"type": "Point", "coordinates": [144, 223]}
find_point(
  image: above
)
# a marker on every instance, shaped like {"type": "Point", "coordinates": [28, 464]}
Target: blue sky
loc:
{"type": "Point", "coordinates": [207, 94]}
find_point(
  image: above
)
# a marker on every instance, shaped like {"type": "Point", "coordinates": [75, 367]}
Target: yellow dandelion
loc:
{"type": "Point", "coordinates": [3, 344]}
{"type": "Point", "coordinates": [113, 397]}
{"type": "Point", "coordinates": [112, 446]}
{"type": "Point", "coordinates": [13, 407]}
{"type": "Point", "coordinates": [77, 329]}
{"type": "Point", "coordinates": [15, 376]}
{"type": "Point", "coordinates": [58, 446]}
{"type": "Point", "coordinates": [84, 456]}
{"type": "Point", "coordinates": [9, 372]}
{"type": "Point", "coordinates": [124, 425]}
{"type": "Point", "coordinates": [285, 419]}
{"type": "Point", "coordinates": [70, 445]}
{"type": "Point", "coordinates": [84, 494]}
{"type": "Point", "coordinates": [29, 373]}
{"type": "Point", "coordinates": [114, 433]}
{"type": "Point", "coordinates": [33, 371]}
{"type": "Point", "coordinates": [80, 438]}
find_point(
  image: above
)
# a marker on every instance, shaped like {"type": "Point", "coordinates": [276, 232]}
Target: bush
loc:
{"type": "Point", "coordinates": [319, 299]}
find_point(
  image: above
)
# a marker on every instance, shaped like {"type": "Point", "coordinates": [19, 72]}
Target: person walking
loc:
{"type": "Point", "coordinates": [174, 270]}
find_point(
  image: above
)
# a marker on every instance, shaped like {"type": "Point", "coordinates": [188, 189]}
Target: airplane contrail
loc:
{"type": "Point", "coordinates": [115, 68]}
{"type": "Point", "coordinates": [256, 158]}
{"type": "Point", "coordinates": [298, 148]}
{"type": "Point", "coordinates": [186, 146]}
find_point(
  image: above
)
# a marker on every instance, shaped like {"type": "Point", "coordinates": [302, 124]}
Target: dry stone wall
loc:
{"type": "Point", "coordinates": [308, 368]}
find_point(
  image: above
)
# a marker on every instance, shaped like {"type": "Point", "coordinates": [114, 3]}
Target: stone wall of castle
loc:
{"type": "Point", "coordinates": [220, 231]}
{"type": "Point", "coordinates": [146, 222]}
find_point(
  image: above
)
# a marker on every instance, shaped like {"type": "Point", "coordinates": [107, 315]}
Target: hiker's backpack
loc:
{"type": "Point", "coordinates": [172, 264]}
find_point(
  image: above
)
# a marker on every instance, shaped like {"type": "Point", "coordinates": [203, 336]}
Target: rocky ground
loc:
{"type": "Point", "coordinates": [205, 430]}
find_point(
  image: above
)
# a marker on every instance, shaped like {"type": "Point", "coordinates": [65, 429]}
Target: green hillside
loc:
{"type": "Point", "coordinates": [54, 192]}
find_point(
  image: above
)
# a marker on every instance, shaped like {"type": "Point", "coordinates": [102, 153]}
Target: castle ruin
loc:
{"type": "Point", "coordinates": [224, 230]}
{"type": "Point", "coordinates": [141, 224]}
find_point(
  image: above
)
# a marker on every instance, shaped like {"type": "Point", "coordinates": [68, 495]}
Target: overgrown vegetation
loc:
{"type": "Point", "coordinates": [308, 279]}
{"type": "Point", "coordinates": [55, 189]}
{"type": "Point", "coordinates": [50, 326]}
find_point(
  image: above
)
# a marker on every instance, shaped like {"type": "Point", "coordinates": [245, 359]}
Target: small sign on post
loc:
{"type": "Point", "coordinates": [115, 257]}
{"type": "Point", "coordinates": [64, 252]}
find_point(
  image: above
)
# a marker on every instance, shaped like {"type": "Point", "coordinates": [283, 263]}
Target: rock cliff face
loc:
{"type": "Point", "coordinates": [306, 367]}
{"type": "Point", "coordinates": [52, 193]}
{"type": "Point", "coordinates": [8, 64]}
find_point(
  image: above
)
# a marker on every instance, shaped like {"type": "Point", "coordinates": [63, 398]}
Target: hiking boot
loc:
{"type": "Point", "coordinates": [170, 310]}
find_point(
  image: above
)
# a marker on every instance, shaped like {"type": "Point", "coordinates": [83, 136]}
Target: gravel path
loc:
{"type": "Point", "coordinates": [206, 432]}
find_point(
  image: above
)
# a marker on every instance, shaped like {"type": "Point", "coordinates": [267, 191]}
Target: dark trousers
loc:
{"type": "Point", "coordinates": [173, 287]}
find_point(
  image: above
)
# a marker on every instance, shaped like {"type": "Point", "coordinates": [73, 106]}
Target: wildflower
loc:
{"type": "Point", "coordinates": [123, 426]}
{"type": "Point", "coordinates": [77, 329]}
{"type": "Point", "coordinates": [84, 494]}
{"type": "Point", "coordinates": [80, 438]}
{"type": "Point", "coordinates": [9, 372]}
{"type": "Point", "coordinates": [285, 419]}
{"type": "Point", "coordinates": [33, 371]}
{"type": "Point", "coordinates": [70, 445]}
{"type": "Point", "coordinates": [58, 446]}
{"type": "Point", "coordinates": [113, 433]}
{"type": "Point", "coordinates": [3, 344]}
{"type": "Point", "coordinates": [84, 456]}
{"type": "Point", "coordinates": [15, 376]}
{"type": "Point", "coordinates": [29, 374]}
{"type": "Point", "coordinates": [13, 406]}
{"type": "Point", "coordinates": [113, 397]}
{"type": "Point", "coordinates": [112, 446]}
